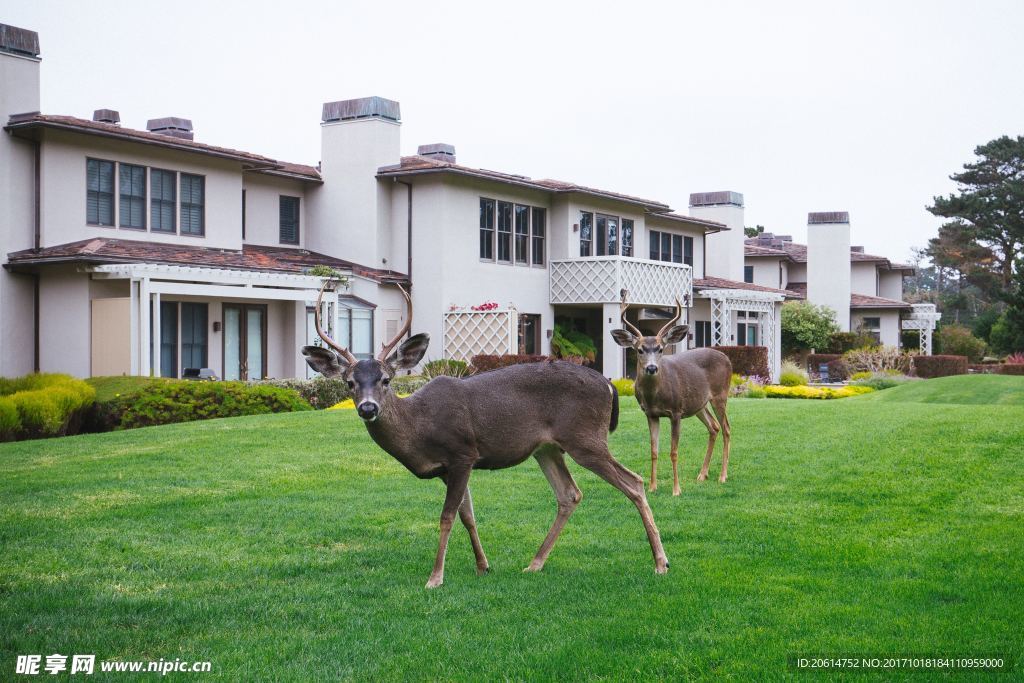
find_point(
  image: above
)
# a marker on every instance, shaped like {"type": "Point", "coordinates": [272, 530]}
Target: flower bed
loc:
{"type": "Point", "coordinates": [774, 391]}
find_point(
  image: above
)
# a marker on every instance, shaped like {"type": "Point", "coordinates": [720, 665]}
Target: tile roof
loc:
{"type": "Point", "coordinates": [798, 253]}
{"type": "Point", "coordinates": [250, 257]}
{"type": "Point", "coordinates": [419, 165]}
{"type": "Point", "coordinates": [713, 226]}
{"type": "Point", "coordinates": [865, 301]}
{"type": "Point", "coordinates": [255, 162]}
{"type": "Point", "coordinates": [722, 283]}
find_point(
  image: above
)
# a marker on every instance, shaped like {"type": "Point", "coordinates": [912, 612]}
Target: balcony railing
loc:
{"type": "Point", "coordinates": [599, 279]}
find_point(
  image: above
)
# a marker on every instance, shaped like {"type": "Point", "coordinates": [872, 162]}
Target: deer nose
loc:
{"type": "Point", "coordinates": [368, 410]}
{"type": "Point", "coordinates": [651, 369]}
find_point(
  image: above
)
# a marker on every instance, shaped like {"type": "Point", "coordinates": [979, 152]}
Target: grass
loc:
{"type": "Point", "coordinates": [884, 524]}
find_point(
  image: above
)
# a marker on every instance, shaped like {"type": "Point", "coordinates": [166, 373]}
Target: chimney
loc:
{"type": "Point", "coordinates": [107, 116]}
{"type": "Point", "coordinates": [828, 263]}
{"type": "Point", "coordinates": [858, 249]}
{"type": "Point", "coordinates": [19, 41]}
{"type": "Point", "coordinates": [438, 151]}
{"type": "Point", "coordinates": [173, 126]}
{"type": "Point", "coordinates": [724, 249]}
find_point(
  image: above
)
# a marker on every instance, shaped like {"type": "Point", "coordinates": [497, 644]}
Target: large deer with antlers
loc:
{"type": "Point", "coordinates": [678, 386]}
{"type": "Point", "coordinates": [490, 421]}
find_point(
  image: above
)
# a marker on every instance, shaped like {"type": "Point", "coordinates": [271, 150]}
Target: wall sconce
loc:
{"type": "Point", "coordinates": [575, 227]}
{"type": "Point", "coordinates": [548, 332]}
{"type": "Point", "coordinates": [216, 326]}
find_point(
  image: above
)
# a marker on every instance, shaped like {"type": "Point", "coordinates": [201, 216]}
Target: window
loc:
{"type": "Point", "coordinates": [133, 196]}
{"type": "Point", "coordinates": [193, 335]}
{"type": "Point", "coordinates": [193, 193]}
{"type": "Point", "coordinates": [586, 233]}
{"type": "Point", "coordinates": [289, 215]}
{"type": "Point", "coordinates": [522, 234]}
{"type": "Point", "coordinates": [607, 235]}
{"type": "Point", "coordinates": [627, 237]}
{"type": "Point", "coordinates": [748, 274]}
{"type": "Point", "coordinates": [163, 185]}
{"type": "Point", "coordinates": [505, 232]}
{"type": "Point", "coordinates": [669, 247]}
{"type": "Point", "coordinates": [873, 327]}
{"type": "Point", "coordinates": [355, 330]}
{"type": "Point", "coordinates": [487, 229]}
{"type": "Point", "coordinates": [539, 227]}
{"type": "Point", "coordinates": [746, 332]}
{"type": "Point", "coordinates": [702, 333]}
{"type": "Point", "coordinates": [99, 203]}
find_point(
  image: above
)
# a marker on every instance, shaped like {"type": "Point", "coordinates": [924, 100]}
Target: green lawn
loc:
{"type": "Point", "coordinates": [289, 547]}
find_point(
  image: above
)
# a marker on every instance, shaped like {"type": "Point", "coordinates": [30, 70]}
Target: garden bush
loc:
{"type": "Point", "coordinates": [877, 360]}
{"type": "Point", "coordinates": [880, 380]}
{"type": "Point", "coordinates": [624, 386]}
{"type": "Point", "coordinates": [838, 371]}
{"type": "Point", "coordinates": [792, 376]}
{"type": "Point", "coordinates": [41, 405]}
{"type": "Point", "coordinates": [445, 367]}
{"type": "Point", "coordinates": [841, 342]}
{"type": "Point", "coordinates": [319, 392]}
{"type": "Point", "coordinates": [747, 360]}
{"type": "Point", "coordinates": [957, 340]}
{"type": "Point", "coordinates": [408, 384]}
{"type": "Point", "coordinates": [484, 362]}
{"type": "Point", "coordinates": [939, 366]}
{"type": "Point", "coordinates": [1011, 369]}
{"type": "Point", "coordinates": [815, 392]}
{"type": "Point", "coordinates": [747, 387]}
{"type": "Point", "coordinates": [569, 343]}
{"type": "Point", "coordinates": [170, 402]}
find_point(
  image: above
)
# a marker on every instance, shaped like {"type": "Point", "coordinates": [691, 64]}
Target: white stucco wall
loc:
{"type": "Point", "coordinates": [864, 278]}
{"type": "Point", "coordinates": [675, 228]}
{"type": "Point", "coordinates": [889, 319]}
{"type": "Point", "coordinates": [890, 284]}
{"type": "Point", "coordinates": [262, 209]}
{"type": "Point", "coordinates": [725, 249]}
{"type": "Point", "coordinates": [766, 272]}
{"type": "Point", "coordinates": [63, 206]}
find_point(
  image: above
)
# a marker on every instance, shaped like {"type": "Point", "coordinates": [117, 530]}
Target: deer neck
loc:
{"type": "Point", "coordinates": [646, 387]}
{"type": "Point", "coordinates": [395, 432]}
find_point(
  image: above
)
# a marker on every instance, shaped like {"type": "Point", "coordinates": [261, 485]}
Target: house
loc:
{"type": "Point", "coordinates": [151, 251]}
{"type": "Point", "coordinates": [865, 291]}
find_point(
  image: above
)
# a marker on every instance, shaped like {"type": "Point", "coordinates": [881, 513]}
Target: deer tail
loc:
{"type": "Point", "coordinates": [615, 408]}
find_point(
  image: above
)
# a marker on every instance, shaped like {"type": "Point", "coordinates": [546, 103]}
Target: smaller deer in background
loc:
{"type": "Point", "coordinates": [678, 386]}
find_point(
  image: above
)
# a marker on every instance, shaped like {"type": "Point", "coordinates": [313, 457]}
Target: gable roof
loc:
{"type": "Point", "coordinates": [856, 300]}
{"type": "Point", "coordinates": [771, 247]}
{"type": "Point", "coordinates": [28, 125]}
{"type": "Point", "coordinates": [722, 283]}
{"type": "Point", "coordinates": [419, 165]}
{"type": "Point", "coordinates": [250, 257]}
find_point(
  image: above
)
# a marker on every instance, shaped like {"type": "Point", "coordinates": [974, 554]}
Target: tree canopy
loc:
{"type": "Point", "coordinates": [807, 326]}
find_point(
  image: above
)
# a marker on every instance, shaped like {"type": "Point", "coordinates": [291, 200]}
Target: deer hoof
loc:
{"type": "Point", "coordinates": [480, 571]}
{"type": "Point", "coordinates": [661, 569]}
{"type": "Point", "coordinates": [676, 492]}
{"type": "Point", "coordinates": [534, 567]}
{"type": "Point", "coordinates": [434, 582]}
{"type": "Point", "coordinates": [701, 477]}
{"type": "Point", "coordinates": [721, 480]}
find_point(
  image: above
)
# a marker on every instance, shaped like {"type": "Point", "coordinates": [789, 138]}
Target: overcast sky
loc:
{"type": "Point", "coordinates": [818, 106]}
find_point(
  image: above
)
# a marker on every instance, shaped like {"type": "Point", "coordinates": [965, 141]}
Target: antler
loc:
{"type": "Point", "coordinates": [625, 323]}
{"type": "Point", "coordinates": [670, 323]}
{"type": "Point", "coordinates": [383, 356]}
{"type": "Point", "coordinates": [345, 353]}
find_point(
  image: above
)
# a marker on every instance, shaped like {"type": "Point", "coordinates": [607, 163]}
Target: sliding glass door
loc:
{"type": "Point", "coordinates": [245, 341]}
{"type": "Point", "coordinates": [183, 337]}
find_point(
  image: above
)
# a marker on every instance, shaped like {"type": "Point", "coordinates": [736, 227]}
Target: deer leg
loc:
{"type": "Point", "coordinates": [600, 461]}
{"type": "Point", "coordinates": [567, 494]}
{"type": "Point", "coordinates": [709, 421]}
{"type": "Point", "coordinates": [469, 521]}
{"type": "Point", "coordinates": [654, 425]}
{"type": "Point", "coordinates": [723, 418]}
{"type": "Point", "coordinates": [674, 454]}
{"type": "Point", "coordinates": [457, 484]}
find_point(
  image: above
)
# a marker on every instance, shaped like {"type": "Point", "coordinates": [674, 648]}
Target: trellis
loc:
{"type": "Point", "coordinates": [600, 279]}
{"type": "Point", "coordinates": [468, 333]}
{"type": "Point", "coordinates": [923, 318]}
{"type": "Point", "coordinates": [724, 302]}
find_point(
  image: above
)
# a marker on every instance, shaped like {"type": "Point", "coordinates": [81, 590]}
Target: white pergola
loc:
{"type": "Point", "coordinates": [725, 302]}
{"type": "Point", "coordinates": [148, 282]}
{"type": "Point", "coordinates": [923, 318]}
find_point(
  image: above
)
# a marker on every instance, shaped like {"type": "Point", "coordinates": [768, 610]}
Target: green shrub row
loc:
{"type": "Point", "coordinates": [939, 366]}
{"type": "Point", "coordinates": [319, 392]}
{"type": "Point", "coordinates": [171, 402]}
{"type": "Point", "coordinates": [41, 405]}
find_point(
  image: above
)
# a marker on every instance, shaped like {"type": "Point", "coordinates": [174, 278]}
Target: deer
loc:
{"type": "Point", "coordinates": [678, 386]}
{"type": "Point", "coordinates": [489, 421]}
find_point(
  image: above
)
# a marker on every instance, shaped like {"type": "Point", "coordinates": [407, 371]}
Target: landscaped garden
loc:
{"type": "Point", "coordinates": [290, 547]}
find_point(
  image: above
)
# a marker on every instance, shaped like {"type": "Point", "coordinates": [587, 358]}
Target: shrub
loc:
{"type": "Point", "coordinates": [877, 360]}
{"type": "Point", "coordinates": [408, 384]}
{"type": "Point", "coordinates": [806, 326]}
{"type": "Point", "coordinates": [838, 371]}
{"type": "Point", "coordinates": [319, 392]}
{"type": "Point", "coordinates": [170, 402]}
{"type": "Point", "coordinates": [485, 362]}
{"type": "Point", "coordinates": [939, 366]}
{"type": "Point", "coordinates": [1011, 369]}
{"type": "Point", "coordinates": [957, 340]}
{"type": "Point", "coordinates": [880, 380]}
{"type": "Point", "coordinates": [815, 392]}
{"type": "Point", "coordinates": [1015, 358]}
{"type": "Point", "coordinates": [841, 342]}
{"type": "Point", "coordinates": [857, 376]}
{"type": "Point", "coordinates": [445, 367]}
{"type": "Point", "coordinates": [747, 360]}
{"type": "Point", "coordinates": [736, 379]}
{"type": "Point", "coordinates": [43, 405]}
{"type": "Point", "coordinates": [748, 387]}
{"type": "Point", "coordinates": [568, 342]}
{"type": "Point", "coordinates": [624, 386]}
{"type": "Point", "coordinates": [791, 375]}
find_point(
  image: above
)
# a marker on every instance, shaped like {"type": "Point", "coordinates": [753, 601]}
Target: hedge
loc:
{"type": "Point", "coordinates": [774, 391]}
{"type": "Point", "coordinates": [939, 366]}
{"type": "Point", "coordinates": [747, 360]}
{"type": "Point", "coordinates": [838, 371]}
{"type": "Point", "coordinates": [41, 405]}
{"type": "Point", "coordinates": [319, 392]}
{"type": "Point", "coordinates": [485, 362]}
{"type": "Point", "coordinates": [1011, 369]}
{"type": "Point", "coordinates": [185, 401]}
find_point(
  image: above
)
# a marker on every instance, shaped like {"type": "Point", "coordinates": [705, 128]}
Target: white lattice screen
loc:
{"type": "Point", "coordinates": [468, 333]}
{"type": "Point", "coordinates": [599, 279]}
{"type": "Point", "coordinates": [923, 318]}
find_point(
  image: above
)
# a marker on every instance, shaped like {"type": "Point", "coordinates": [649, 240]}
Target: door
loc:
{"type": "Point", "coordinates": [529, 333]}
{"type": "Point", "coordinates": [245, 341]}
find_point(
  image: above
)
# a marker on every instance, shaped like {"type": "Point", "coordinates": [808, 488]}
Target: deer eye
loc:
{"type": "Point", "coordinates": [351, 384]}
{"type": "Point", "coordinates": [386, 381]}
{"type": "Point", "coordinates": [659, 349]}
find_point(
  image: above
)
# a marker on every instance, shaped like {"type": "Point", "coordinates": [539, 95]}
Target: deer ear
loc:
{"type": "Point", "coordinates": [676, 334]}
{"type": "Point", "coordinates": [410, 352]}
{"type": "Point", "coordinates": [624, 338]}
{"type": "Point", "coordinates": [324, 361]}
